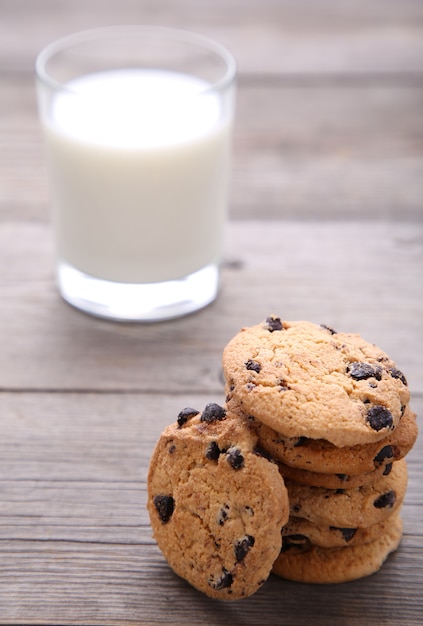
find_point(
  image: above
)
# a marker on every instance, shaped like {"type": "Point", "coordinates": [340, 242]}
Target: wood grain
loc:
{"type": "Point", "coordinates": [75, 541]}
{"type": "Point", "coordinates": [359, 278]}
{"type": "Point", "coordinates": [266, 36]}
{"type": "Point", "coordinates": [326, 224]}
{"type": "Point", "coordinates": [341, 151]}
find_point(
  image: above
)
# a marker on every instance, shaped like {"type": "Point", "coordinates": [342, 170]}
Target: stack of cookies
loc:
{"type": "Point", "coordinates": [333, 411]}
{"type": "Point", "coordinates": [302, 471]}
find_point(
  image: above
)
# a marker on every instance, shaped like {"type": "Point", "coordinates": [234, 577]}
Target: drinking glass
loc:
{"type": "Point", "coordinates": [137, 123]}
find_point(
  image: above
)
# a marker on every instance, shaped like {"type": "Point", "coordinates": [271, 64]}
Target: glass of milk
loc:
{"type": "Point", "coordinates": [138, 123]}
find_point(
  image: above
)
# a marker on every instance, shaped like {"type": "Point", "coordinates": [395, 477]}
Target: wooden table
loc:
{"type": "Point", "coordinates": [326, 225]}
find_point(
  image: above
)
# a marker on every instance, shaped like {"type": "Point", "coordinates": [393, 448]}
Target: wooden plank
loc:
{"type": "Point", "coordinates": [75, 542]}
{"type": "Point", "coordinates": [351, 277]}
{"type": "Point", "coordinates": [340, 150]}
{"type": "Point", "coordinates": [80, 585]}
{"type": "Point", "coordinates": [266, 36]}
{"type": "Point", "coordinates": [328, 133]}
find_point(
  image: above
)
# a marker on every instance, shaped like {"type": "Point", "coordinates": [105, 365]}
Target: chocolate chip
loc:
{"type": "Point", "coordinates": [165, 506]}
{"type": "Point", "coordinates": [301, 441]}
{"type": "Point", "coordinates": [235, 458]}
{"type": "Point", "coordinates": [328, 328]}
{"type": "Point", "coordinates": [347, 533]}
{"type": "Point", "coordinates": [387, 452]}
{"type": "Point", "coordinates": [212, 451]}
{"type": "Point", "coordinates": [362, 371]}
{"type": "Point", "coordinates": [283, 385]}
{"type": "Point", "coordinates": [185, 415]}
{"type": "Point", "coordinates": [274, 323]}
{"type": "Point", "coordinates": [224, 581]}
{"type": "Point", "coordinates": [395, 373]}
{"type": "Point", "coordinates": [223, 515]}
{"type": "Point", "coordinates": [213, 413]}
{"type": "Point", "coordinates": [242, 547]}
{"type": "Point", "coordinates": [253, 366]}
{"type": "Point", "coordinates": [379, 417]}
{"type": "Point", "coordinates": [385, 500]}
{"type": "Point", "coordinates": [388, 469]}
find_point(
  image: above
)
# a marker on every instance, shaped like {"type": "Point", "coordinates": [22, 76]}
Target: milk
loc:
{"type": "Point", "coordinates": [139, 193]}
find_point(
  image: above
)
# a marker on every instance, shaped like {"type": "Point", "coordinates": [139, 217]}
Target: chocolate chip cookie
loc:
{"type": "Point", "coordinates": [313, 564]}
{"type": "Point", "coordinates": [300, 533]}
{"type": "Point", "coordinates": [333, 481]}
{"type": "Point", "coordinates": [321, 456]}
{"type": "Point", "coordinates": [306, 380]}
{"type": "Point", "coordinates": [350, 508]}
{"type": "Point", "coordinates": [216, 505]}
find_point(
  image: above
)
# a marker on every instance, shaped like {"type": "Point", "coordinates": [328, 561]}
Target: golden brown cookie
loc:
{"type": "Point", "coordinates": [350, 508]}
{"type": "Point", "coordinates": [216, 506]}
{"type": "Point", "coordinates": [337, 565]}
{"type": "Point", "coordinates": [305, 380]}
{"type": "Point", "coordinates": [333, 481]}
{"type": "Point", "coordinates": [321, 456]}
{"type": "Point", "coordinates": [300, 533]}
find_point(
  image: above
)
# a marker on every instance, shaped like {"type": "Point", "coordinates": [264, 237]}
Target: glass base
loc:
{"type": "Point", "coordinates": [147, 302]}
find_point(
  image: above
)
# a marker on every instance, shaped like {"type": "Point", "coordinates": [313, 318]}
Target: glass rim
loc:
{"type": "Point", "coordinates": [105, 32]}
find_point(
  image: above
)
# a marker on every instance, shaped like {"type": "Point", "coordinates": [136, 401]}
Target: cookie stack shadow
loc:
{"type": "Point", "coordinates": [345, 489]}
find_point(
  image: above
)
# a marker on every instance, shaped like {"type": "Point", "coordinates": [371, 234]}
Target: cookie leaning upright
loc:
{"type": "Point", "coordinates": [216, 506]}
{"type": "Point", "coordinates": [305, 380]}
